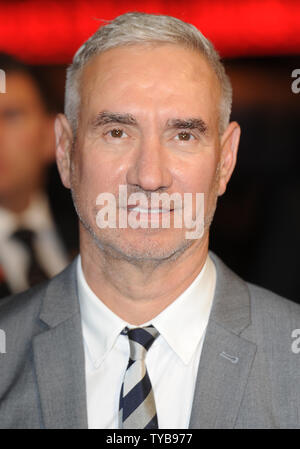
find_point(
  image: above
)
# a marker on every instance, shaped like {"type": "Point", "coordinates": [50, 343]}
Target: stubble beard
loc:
{"type": "Point", "coordinates": [112, 245]}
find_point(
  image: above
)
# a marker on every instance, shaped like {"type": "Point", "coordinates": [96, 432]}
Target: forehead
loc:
{"type": "Point", "coordinates": [160, 75]}
{"type": "Point", "coordinates": [21, 90]}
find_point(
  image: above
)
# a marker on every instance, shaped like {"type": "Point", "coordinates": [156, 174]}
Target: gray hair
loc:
{"type": "Point", "coordinates": [137, 28]}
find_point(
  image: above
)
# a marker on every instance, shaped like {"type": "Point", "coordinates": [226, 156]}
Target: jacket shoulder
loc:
{"type": "Point", "coordinates": [19, 312]}
{"type": "Point", "coordinates": [27, 306]}
{"type": "Point", "coordinates": [272, 305]}
{"type": "Point", "coordinates": [274, 326]}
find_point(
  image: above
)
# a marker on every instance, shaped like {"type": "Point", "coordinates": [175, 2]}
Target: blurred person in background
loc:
{"type": "Point", "coordinates": [31, 249]}
{"type": "Point", "coordinates": [147, 328]}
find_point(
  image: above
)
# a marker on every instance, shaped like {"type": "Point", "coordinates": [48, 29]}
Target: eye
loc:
{"type": "Point", "coordinates": [12, 114]}
{"type": "Point", "coordinates": [184, 136]}
{"type": "Point", "coordinates": [116, 133]}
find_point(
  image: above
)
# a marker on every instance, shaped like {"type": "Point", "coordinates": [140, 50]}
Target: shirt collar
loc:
{"type": "Point", "coordinates": [36, 217]}
{"type": "Point", "coordinates": [101, 327]}
{"type": "Point", "coordinates": [182, 324]}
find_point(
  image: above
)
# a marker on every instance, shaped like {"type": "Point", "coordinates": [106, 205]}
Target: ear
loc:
{"type": "Point", "coordinates": [229, 147]}
{"type": "Point", "coordinates": [64, 139]}
{"type": "Point", "coordinates": [48, 146]}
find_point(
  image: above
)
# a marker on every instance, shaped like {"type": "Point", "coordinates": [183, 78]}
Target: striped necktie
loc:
{"type": "Point", "coordinates": [137, 406]}
{"type": "Point", "coordinates": [35, 272]}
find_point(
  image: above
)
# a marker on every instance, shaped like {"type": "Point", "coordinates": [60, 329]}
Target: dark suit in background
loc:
{"type": "Point", "coordinates": [38, 227]}
{"type": "Point", "coordinates": [248, 375]}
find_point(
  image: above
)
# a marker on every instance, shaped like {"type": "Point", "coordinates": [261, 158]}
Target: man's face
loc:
{"type": "Point", "coordinates": [149, 120]}
{"type": "Point", "coordinates": [24, 136]}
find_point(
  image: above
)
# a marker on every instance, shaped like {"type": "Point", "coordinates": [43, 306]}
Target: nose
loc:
{"type": "Point", "coordinates": [150, 169]}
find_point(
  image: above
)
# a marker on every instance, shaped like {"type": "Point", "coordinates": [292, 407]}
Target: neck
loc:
{"type": "Point", "coordinates": [138, 293]}
{"type": "Point", "coordinates": [16, 203]}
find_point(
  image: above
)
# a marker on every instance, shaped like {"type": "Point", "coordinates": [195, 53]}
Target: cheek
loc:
{"type": "Point", "coordinates": [25, 152]}
{"type": "Point", "coordinates": [30, 132]}
{"type": "Point", "coordinates": [199, 176]}
{"type": "Point", "coordinates": [94, 175]}
{"type": "Point", "coordinates": [202, 179]}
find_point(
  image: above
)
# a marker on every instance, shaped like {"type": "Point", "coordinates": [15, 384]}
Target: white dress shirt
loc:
{"type": "Point", "coordinates": [14, 258]}
{"type": "Point", "coordinates": [172, 361]}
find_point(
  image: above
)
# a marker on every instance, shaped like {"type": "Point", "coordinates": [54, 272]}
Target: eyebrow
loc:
{"type": "Point", "coordinates": [105, 117]}
{"type": "Point", "coordinates": [189, 123]}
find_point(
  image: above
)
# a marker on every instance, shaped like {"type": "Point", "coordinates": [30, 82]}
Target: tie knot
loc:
{"type": "Point", "coordinates": [140, 340]}
{"type": "Point", "coordinates": [25, 236]}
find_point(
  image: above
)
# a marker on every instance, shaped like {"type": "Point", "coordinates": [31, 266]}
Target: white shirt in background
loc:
{"type": "Point", "coordinates": [14, 258]}
{"type": "Point", "coordinates": [172, 361]}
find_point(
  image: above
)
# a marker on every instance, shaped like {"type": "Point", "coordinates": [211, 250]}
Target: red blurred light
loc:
{"type": "Point", "coordinates": [51, 31]}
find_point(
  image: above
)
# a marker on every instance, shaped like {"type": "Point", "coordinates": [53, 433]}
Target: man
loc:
{"type": "Point", "coordinates": [31, 246]}
{"type": "Point", "coordinates": [147, 329]}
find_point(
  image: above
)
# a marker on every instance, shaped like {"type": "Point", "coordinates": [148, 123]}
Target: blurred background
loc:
{"type": "Point", "coordinates": [257, 222]}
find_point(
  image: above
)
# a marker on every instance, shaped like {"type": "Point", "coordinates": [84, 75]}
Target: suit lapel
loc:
{"type": "Point", "coordinates": [59, 355]}
{"type": "Point", "coordinates": [222, 377]}
{"type": "Point", "coordinates": [224, 367]}
{"type": "Point", "coordinates": [226, 357]}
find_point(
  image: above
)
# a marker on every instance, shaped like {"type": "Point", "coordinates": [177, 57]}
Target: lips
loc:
{"type": "Point", "coordinates": [148, 211]}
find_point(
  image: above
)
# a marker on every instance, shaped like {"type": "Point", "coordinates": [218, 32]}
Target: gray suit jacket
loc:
{"type": "Point", "coordinates": [248, 377]}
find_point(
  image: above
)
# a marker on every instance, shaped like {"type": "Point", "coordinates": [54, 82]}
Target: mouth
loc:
{"type": "Point", "coordinates": [149, 211]}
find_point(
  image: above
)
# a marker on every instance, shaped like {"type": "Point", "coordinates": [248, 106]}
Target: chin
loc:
{"type": "Point", "coordinates": [138, 245]}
